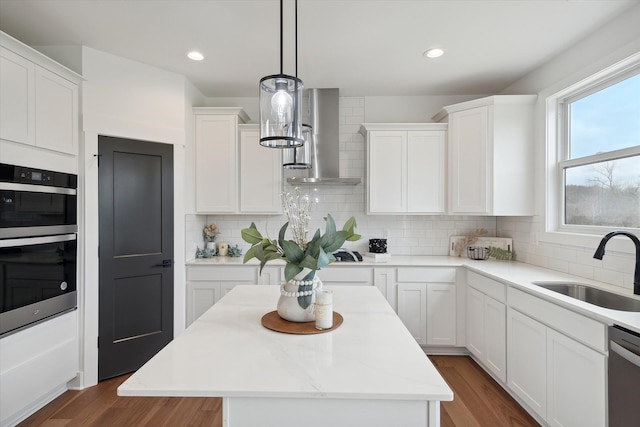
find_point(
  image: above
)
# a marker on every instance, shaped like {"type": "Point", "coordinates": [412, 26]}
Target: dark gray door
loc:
{"type": "Point", "coordinates": [136, 253]}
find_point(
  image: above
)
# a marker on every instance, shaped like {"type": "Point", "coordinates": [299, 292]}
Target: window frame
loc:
{"type": "Point", "coordinates": [556, 136]}
{"type": "Point", "coordinates": [554, 232]}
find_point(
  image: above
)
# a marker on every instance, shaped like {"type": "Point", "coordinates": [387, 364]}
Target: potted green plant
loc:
{"type": "Point", "coordinates": [303, 258]}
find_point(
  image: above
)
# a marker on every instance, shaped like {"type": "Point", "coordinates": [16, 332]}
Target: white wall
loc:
{"type": "Point", "coordinates": [611, 44]}
{"type": "Point", "coordinates": [128, 99]}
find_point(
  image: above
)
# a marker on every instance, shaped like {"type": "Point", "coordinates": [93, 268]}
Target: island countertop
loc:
{"type": "Point", "coordinates": [228, 353]}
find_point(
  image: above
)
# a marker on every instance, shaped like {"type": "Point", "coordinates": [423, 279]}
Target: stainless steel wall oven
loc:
{"type": "Point", "coordinates": [38, 245]}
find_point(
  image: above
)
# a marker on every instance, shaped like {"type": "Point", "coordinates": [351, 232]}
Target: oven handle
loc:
{"type": "Point", "coordinates": [13, 186]}
{"type": "Point", "coordinates": [627, 354]}
{"type": "Point", "coordinates": [10, 243]}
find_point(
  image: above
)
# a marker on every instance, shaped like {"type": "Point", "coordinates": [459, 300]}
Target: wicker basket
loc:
{"type": "Point", "coordinates": [477, 252]}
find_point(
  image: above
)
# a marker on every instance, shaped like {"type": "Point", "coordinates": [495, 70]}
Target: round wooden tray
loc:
{"type": "Point", "coordinates": [276, 323]}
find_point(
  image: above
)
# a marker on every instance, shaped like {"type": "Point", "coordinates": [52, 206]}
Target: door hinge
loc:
{"type": "Point", "coordinates": [98, 342]}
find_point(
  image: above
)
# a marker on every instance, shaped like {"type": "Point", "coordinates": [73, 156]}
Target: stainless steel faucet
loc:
{"type": "Point", "coordinates": [600, 252]}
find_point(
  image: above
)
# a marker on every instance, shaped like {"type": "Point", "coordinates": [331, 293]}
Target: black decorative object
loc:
{"type": "Point", "coordinates": [378, 246]}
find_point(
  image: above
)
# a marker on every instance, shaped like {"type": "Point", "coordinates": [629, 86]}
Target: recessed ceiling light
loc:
{"type": "Point", "coordinates": [433, 53]}
{"type": "Point", "coordinates": [195, 56]}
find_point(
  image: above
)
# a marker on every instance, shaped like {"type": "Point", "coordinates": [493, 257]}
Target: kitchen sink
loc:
{"type": "Point", "coordinates": [593, 295]}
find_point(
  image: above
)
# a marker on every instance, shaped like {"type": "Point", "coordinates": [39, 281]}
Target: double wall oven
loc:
{"type": "Point", "coordinates": [38, 245]}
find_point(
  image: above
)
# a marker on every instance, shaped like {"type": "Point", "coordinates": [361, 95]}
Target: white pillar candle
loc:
{"type": "Point", "coordinates": [324, 309]}
{"type": "Point", "coordinates": [223, 248]}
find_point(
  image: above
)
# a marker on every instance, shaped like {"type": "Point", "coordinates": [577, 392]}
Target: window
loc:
{"type": "Point", "coordinates": [599, 154]}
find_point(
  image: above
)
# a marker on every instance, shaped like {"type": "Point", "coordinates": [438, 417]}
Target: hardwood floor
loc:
{"type": "Point", "coordinates": [478, 401]}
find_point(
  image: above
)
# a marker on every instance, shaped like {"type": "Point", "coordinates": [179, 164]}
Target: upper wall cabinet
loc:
{"type": "Point", "coordinates": [260, 174]}
{"type": "Point", "coordinates": [39, 99]}
{"type": "Point", "coordinates": [234, 174]}
{"type": "Point", "coordinates": [405, 168]}
{"type": "Point", "coordinates": [490, 155]}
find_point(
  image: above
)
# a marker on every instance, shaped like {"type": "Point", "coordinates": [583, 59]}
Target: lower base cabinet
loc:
{"type": "Point", "coordinates": [486, 332]}
{"type": "Point", "coordinates": [561, 379]}
{"type": "Point", "coordinates": [426, 302]}
{"type": "Point", "coordinates": [206, 285]}
{"type": "Point", "coordinates": [487, 323]}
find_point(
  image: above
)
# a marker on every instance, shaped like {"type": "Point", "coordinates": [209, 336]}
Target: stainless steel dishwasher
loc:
{"type": "Point", "coordinates": [624, 377]}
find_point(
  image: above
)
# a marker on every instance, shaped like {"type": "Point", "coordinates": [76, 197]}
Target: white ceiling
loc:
{"type": "Point", "coordinates": [363, 47]}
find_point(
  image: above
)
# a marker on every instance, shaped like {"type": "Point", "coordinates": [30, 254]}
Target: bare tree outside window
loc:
{"type": "Point", "coordinates": [605, 198]}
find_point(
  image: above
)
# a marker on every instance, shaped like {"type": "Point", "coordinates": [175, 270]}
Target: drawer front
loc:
{"type": "Point", "coordinates": [588, 331]}
{"type": "Point", "coordinates": [223, 273]}
{"type": "Point", "coordinates": [490, 287]}
{"type": "Point", "coordinates": [347, 274]}
{"type": "Point", "coordinates": [426, 274]}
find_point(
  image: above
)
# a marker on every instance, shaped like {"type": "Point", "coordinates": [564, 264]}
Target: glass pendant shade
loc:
{"type": "Point", "coordinates": [280, 100]}
{"type": "Point", "coordinates": [300, 157]}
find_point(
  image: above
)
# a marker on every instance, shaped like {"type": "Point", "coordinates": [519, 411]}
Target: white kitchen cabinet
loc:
{"type": "Point", "coordinates": [441, 314]}
{"type": "Point", "coordinates": [412, 309]}
{"type": "Point", "coordinates": [426, 304]}
{"type": "Point", "coordinates": [490, 147]}
{"type": "Point", "coordinates": [527, 360]}
{"type": "Point", "coordinates": [351, 275]}
{"type": "Point", "coordinates": [56, 112]}
{"type": "Point", "coordinates": [405, 168]}
{"type": "Point", "coordinates": [486, 323]}
{"type": "Point", "coordinates": [575, 380]}
{"type": "Point", "coordinates": [216, 157]}
{"type": "Point", "coordinates": [260, 174]}
{"type": "Point", "coordinates": [385, 279]}
{"type": "Point", "coordinates": [17, 98]}
{"type": "Point", "coordinates": [271, 275]}
{"type": "Point", "coordinates": [39, 99]}
{"type": "Point", "coordinates": [234, 174]}
{"type": "Point", "coordinates": [556, 361]}
{"type": "Point", "coordinates": [207, 284]}
{"type": "Point", "coordinates": [36, 364]}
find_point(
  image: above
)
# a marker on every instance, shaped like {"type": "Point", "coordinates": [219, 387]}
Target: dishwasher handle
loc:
{"type": "Point", "coordinates": [626, 354]}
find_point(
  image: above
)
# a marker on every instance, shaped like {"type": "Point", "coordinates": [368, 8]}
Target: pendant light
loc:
{"type": "Point", "coordinates": [280, 99]}
{"type": "Point", "coordinates": [300, 157]}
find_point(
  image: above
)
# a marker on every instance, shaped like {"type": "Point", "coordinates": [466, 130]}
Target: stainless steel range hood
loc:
{"type": "Point", "coordinates": [322, 115]}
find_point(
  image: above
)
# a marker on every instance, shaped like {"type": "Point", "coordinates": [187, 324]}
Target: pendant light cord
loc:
{"type": "Point", "coordinates": [296, 47]}
{"type": "Point", "coordinates": [281, 37]}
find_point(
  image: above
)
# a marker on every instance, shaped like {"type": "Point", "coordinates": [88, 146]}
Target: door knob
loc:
{"type": "Point", "coordinates": [165, 263]}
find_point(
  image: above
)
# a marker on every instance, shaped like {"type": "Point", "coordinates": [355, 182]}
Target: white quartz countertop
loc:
{"type": "Point", "coordinates": [517, 274]}
{"type": "Point", "coordinates": [227, 352]}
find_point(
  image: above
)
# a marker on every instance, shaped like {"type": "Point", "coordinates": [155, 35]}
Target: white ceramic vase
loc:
{"type": "Point", "coordinates": [298, 297]}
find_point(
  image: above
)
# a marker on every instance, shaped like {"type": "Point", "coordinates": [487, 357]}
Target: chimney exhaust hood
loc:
{"type": "Point", "coordinates": [323, 105]}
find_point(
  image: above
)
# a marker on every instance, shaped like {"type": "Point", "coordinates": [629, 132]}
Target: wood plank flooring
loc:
{"type": "Point", "coordinates": [478, 401]}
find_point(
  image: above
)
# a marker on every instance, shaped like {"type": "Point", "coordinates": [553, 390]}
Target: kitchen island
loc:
{"type": "Point", "coordinates": [369, 371]}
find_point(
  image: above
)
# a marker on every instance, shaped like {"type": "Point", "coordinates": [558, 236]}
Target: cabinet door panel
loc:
{"type": "Point", "coordinates": [527, 360]}
{"type": "Point", "coordinates": [575, 383]}
{"type": "Point", "coordinates": [425, 171]}
{"type": "Point", "coordinates": [384, 278]}
{"type": "Point", "coordinates": [56, 112]}
{"type": "Point", "coordinates": [475, 322]}
{"type": "Point", "coordinates": [17, 98]}
{"type": "Point", "coordinates": [469, 133]}
{"type": "Point", "coordinates": [385, 172]}
{"type": "Point", "coordinates": [260, 175]}
{"type": "Point", "coordinates": [495, 333]}
{"type": "Point", "coordinates": [441, 314]}
{"type": "Point", "coordinates": [216, 165]}
{"type": "Point", "coordinates": [412, 309]}
{"type": "Point", "coordinates": [200, 296]}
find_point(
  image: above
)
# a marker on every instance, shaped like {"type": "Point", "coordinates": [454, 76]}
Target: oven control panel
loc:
{"type": "Point", "coordinates": [24, 175]}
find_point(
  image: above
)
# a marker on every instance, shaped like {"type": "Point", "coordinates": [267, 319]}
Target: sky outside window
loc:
{"type": "Point", "coordinates": [607, 120]}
